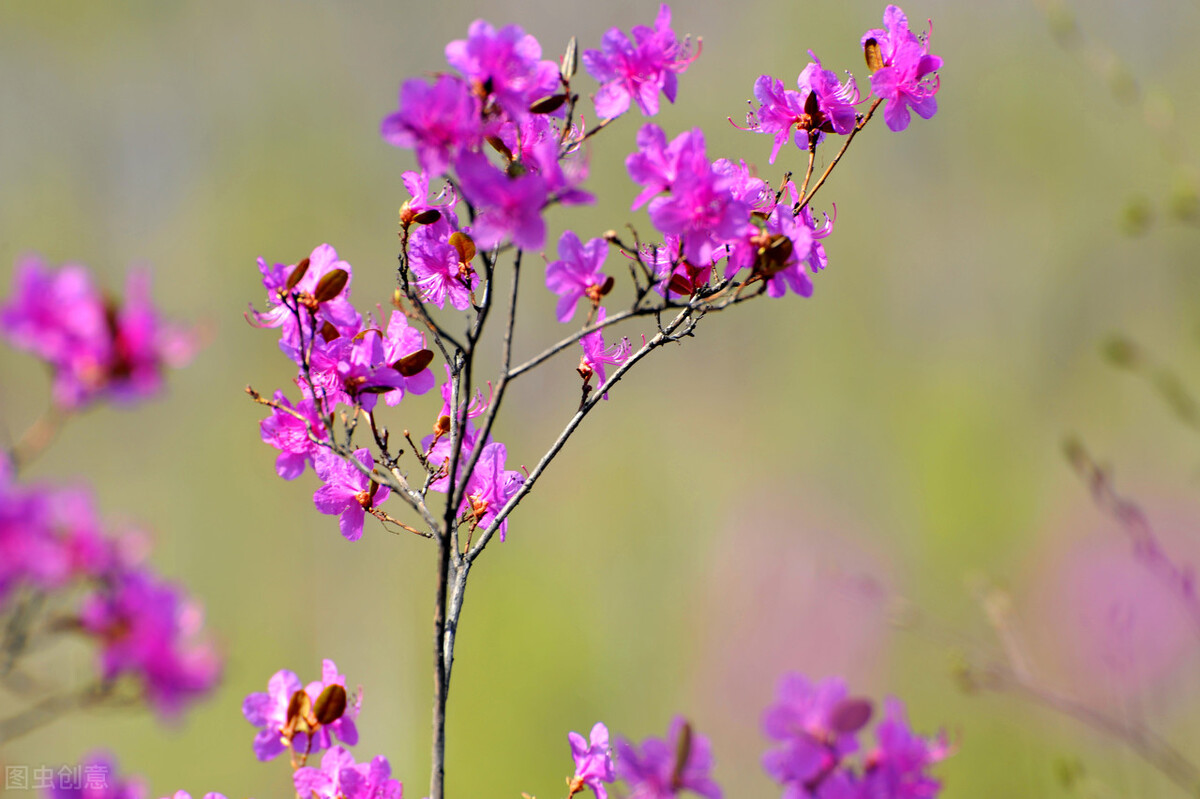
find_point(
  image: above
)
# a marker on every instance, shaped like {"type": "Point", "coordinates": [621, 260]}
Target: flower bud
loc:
{"type": "Point", "coordinates": [331, 704]}
{"type": "Point", "coordinates": [331, 285]}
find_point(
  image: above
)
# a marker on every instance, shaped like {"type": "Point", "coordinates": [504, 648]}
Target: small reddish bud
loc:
{"type": "Point", "coordinates": [331, 285]}
{"type": "Point", "coordinates": [850, 716]}
{"type": "Point", "coordinates": [331, 704]}
{"type": "Point", "coordinates": [873, 55]}
{"type": "Point", "coordinates": [465, 246]}
{"type": "Point", "coordinates": [499, 146]}
{"type": "Point", "coordinates": [548, 105]}
{"type": "Point", "coordinates": [296, 275]}
{"type": "Point", "coordinates": [413, 364]}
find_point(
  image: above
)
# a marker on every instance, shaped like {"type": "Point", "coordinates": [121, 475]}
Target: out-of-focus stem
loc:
{"type": "Point", "coordinates": [39, 436]}
{"type": "Point", "coordinates": [804, 201]}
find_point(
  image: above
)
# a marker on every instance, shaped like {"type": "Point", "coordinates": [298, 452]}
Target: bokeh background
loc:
{"type": "Point", "coordinates": [833, 485]}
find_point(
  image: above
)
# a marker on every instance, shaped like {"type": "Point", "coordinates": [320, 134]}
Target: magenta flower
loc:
{"type": "Point", "coordinates": [701, 209]}
{"type": "Point", "coordinates": [48, 538]}
{"type": "Point", "coordinates": [596, 354]}
{"type": "Point", "coordinates": [417, 184]}
{"type": "Point", "coordinates": [508, 207]}
{"type": "Point", "coordinates": [673, 274]}
{"type": "Point", "coordinates": [491, 487]}
{"type": "Point", "coordinates": [147, 629]}
{"type": "Point", "coordinates": [505, 65]}
{"type": "Point", "coordinates": [438, 266]}
{"type": "Point", "coordinates": [899, 766]}
{"type": "Point", "coordinates": [538, 149]}
{"type": "Point", "coordinates": [780, 111]}
{"type": "Point", "coordinates": [637, 70]}
{"type": "Point", "coordinates": [59, 316]}
{"type": "Point", "coordinates": [577, 274]}
{"type": "Point", "coordinates": [807, 720]}
{"type": "Point", "coordinates": [347, 492]}
{"type": "Point", "coordinates": [402, 351]}
{"type": "Point", "coordinates": [656, 164]}
{"type": "Point", "coordinates": [654, 773]}
{"type": "Point", "coordinates": [97, 348]}
{"type": "Point", "coordinates": [907, 78]}
{"type": "Point", "coordinates": [277, 733]}
{"type": "Point", "coordinates": [744, 186]}
{"type": "Point", "coordinates": [835, 101]}
{"type": "Point", "coordinates": [340, 777]}
{"type": "Point", "coordinates": [289, 434]}
{"type": "Point", "coordinates": [297, 310]}
{"type": "Point", "coordinates": [593, 762]}
{"type": "Point", "coordinates": [438, 121]}
{"type": "Point", "coordinates": [186, 795]}
{"type": "Point", "coordinates": [821, 105]}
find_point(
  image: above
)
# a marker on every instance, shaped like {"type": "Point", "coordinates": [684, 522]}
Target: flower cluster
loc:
{"type": "Point", "coordinates": [302, 718]}
{"type": "Point", "coordinates": [343, 359]}
{"type": "Point", "coordinates": [96, 347]}
{"type": "Point", "coordinates": [147, 630]}
{"type": "Point", "coordinates": [902, 74]}
{"type": "Point", "coordinates": [816, 728]}
{"type": "Point", "coordinates": [54, 551]}
{"type": "Point", "coordinates": [638, 70]}
{"type": "Point", "coordinates": [305, 720]}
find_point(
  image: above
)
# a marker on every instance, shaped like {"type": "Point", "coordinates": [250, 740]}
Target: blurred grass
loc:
{"type": "Point", "coordinates": [912, 408]}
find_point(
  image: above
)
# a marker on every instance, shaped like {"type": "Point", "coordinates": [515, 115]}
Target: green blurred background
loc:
{"type": "Point", "coordinates": [760, 499]}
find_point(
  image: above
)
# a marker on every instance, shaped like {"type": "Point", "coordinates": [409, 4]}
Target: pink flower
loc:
{"type": "Point", "coordinates": [490, 487]}
{"type": "Point", "coordinates": [653, 771]}
{"type": "Point", "coordinates": [907, 78]}
{"type": "Point", "coordinates": [638, 69]}
{"type": "Point", "coordinates": [701, 208]}
{"type": "Point", "coordinates": [289, 434]}
{"type": "Point", "coordinates": [438, 266]}
{"type": "Point", "coordinates": [279, 732]}
{"type": "Point", "coordinates": [504, 65]}
{"type": "Point", "coordinates": [899, 766]}
{"type": "Point", "coordinates": [297, 310]}
{"type": "Point", "coordinates": [656, 165]}
{"type": "Point", "coordinates": [509, 207]}
{"type": "Point", "coordinates": [147, 629]}
{"type": "Point", "coordinates": [340, 777]}
{"type": "Point", "coordinates": [593, 762]}
{"type": "Point", "coordinates": [97, 347]}
{"type": "Point", "coordinates": [577, 274]}
{"type": "Point", "coordinates": [347, 493]}
{"type": "Point", "coordinates": [437, 121]}
{"type": "Point", "coordinates": [596, 355]}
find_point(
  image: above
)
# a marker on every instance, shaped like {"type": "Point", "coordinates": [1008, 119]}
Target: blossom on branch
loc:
{"type": "Point", "coordinates": [662, 769]}
{"type": "Point", "coordinates": [347, 493]}
{"type": "Point", "coordinates": [291, 715]}
{"type": "Point", "coordinates": [97, 347]}
{"type": "Point", "coordinates": [593, 762]}
{"type": "Point", "coordinates": [577, 273]}
{"type": "Point", "coordinates": [903, 69]}
{"type": "Point", "coordinates": [636, 69]}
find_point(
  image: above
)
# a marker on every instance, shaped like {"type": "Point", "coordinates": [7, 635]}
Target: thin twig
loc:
{"type": "Point", "coordinates": [1150, 746]}
{"type": "Point", "coordinates": [39, 436]}
{"type": "Point", "coordinates": [662, 337]}
{"type": "Point", "coordinates": [806, 199]}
